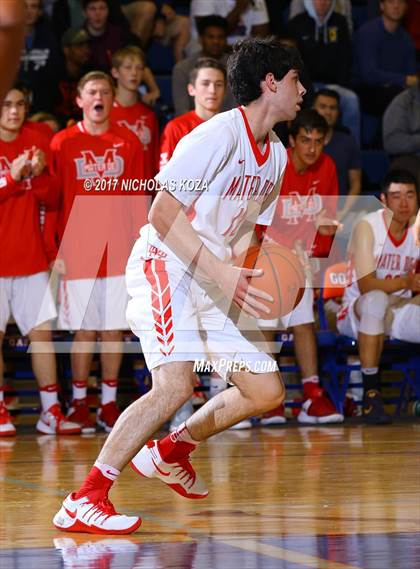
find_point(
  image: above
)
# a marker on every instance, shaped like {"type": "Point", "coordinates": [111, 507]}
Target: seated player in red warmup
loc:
{"type": "Point", "coordinates": [128, 67]}
{"type": "Point", "coordinates": [308, 190]}
{"type": "Point", "coordinates": [25, 185]}
{"type": "Point", "coordinates": [97, 224]}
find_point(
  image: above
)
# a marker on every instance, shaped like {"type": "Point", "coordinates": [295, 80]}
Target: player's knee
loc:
{"type": "Point", "coordinates": [270, 394]}
{"type": "Point", "coordinates": [373, 303]}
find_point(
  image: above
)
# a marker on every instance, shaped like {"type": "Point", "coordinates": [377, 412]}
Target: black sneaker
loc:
{"type": "Point", "coordinates": [373, 411]}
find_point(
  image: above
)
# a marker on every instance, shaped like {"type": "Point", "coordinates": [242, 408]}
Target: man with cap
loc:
{"type": "Point", "coordinates": [76, 49]}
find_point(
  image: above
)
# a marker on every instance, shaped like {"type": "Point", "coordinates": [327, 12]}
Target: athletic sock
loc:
{"type": "Point", "coordinates": [2, 394]}
{"type": "Point", "coordinates": [109, 391]}
{"type": "Point", "coordinates": [370, 377]}
{"type": "Point", "coordinates": [98, 482]}
{"type": "Point", "coordinates": [48, 394]}
{"type": "Point", "coordinates": [177, 445]}
{"type": "Point", "coordinates": [79, 389]}
{"type": "Point", "coordinates": [311, 387]}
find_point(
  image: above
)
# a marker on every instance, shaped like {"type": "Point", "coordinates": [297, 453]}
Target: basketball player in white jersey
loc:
{"type": "Point", "coordinates": [381, 302]}
{"type": "Point", "coordinates": [182, 282]}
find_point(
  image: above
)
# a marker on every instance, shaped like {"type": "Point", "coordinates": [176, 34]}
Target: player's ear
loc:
{"type": "Point", "coordinates": [291, 141]}
{"type": "Point", "coordinates": [191, 90]}
{"type": "Point", "coordinates": [79, 102]}
{"type": "Point", "coordinates": [114, 72]}
{"type": "Point", "coordinates": [382, 197]}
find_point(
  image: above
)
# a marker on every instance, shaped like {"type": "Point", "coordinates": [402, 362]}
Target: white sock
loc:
{"type": "Point", "coordinates": [183, 434]}
{"type": "Point", "coordinates": [79, 389]}
{"type": "Point", "coordinates": [109, 390]}
{"type": "Point", "coordinates": [1, 394]}
{"type": "Point", "coordinates": [48, 395]}
{"type": "Point", "coordinates": [108, 471]}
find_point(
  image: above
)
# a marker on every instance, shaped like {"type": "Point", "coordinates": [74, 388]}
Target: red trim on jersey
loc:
{"type": "Point", "coordinates": [259, 156]}
{"type": "Point", "coordinates": [157, 277]}
{"type": "Point", "coordinates": [395, 242]}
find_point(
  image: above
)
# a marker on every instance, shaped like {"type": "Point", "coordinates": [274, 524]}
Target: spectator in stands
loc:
{"type": "Point", "coordinates": [172, 29]}
{"type": "Point", "coordinates": [342, 7]}
{"type": "Point", "coordinates": [40, 60]}
{"type": "Point", "coordinates": [213, 38]}
{"type": "Point", "coordinates": [303, 221]}
{"type": "Point", "coordinates": [98, 216]}
{"type": "Point", "coordinates": [401, 131]}
{"type": "Point", "coordinates": [341, 146]}
{"type": "Point", "coordinates": [77, 54]}
{"type": "Point", "coordinates": [379, 301]}
{"type": "Point", "coordinates": [384, 58]}
{"type": "Point", "coordinates": [323, 39]}
{"type": "Point", "coordinates": [25, 184]}
{"type": "Point", "coordinates": [128, 66]}
{"type": "Point", "coordinates": [141, 16]}
{"type": "Point", "coordinates": [105, 37]}
{"type": "Point", "coordinates": [245, 17]}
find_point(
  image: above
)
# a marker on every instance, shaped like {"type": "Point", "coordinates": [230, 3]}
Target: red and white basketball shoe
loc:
{"type": "Point", "coordinates": [7, 429]}
{"type": "Point", "coordinates": [180, 476]}
{"type": "Point", "coordinates": [101, 518]}
{"type": "Point", "coordinates": [53, 422]}
{"type": "Point", "coordinates": [79, 413]}
{"type": "Point", "coordinates": [319, 409]}
{"type": "Point", "coordinates": [107, 416]}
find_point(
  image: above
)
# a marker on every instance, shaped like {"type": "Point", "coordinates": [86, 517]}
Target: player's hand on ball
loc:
{"type": "Point", "coordinates": [235, 284]}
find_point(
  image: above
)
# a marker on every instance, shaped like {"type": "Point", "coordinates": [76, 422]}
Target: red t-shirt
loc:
{"type": "Point", "coordinates": [100, 209]}
{"type": "Point", "coordinates": [302, 197]}
{"type": "Point", "coordinates": [142, 121]}
{"type": "Point", "coordinates": [22, 247]}
{"type": "Point", "coordinates": [173, 132]}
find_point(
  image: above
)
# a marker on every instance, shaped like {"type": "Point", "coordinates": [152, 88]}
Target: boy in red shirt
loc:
{"type": "Point", "coordinates": [208, 86]}
{"type": "Point", "coordinates": [303, 221]}
{"type": "Point", "coordinates": [25, 185]}
{"type": "Point", "coordinates": [128, 65]}
{"type": "Point", "coordinates": [98, 221]}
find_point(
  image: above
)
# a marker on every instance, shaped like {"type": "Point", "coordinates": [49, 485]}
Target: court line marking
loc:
{"type": "Point", "coordinates": [286, 554]}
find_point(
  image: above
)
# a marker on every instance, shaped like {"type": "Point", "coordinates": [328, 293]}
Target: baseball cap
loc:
{"type": "Point", "coordinates": [74, 36]}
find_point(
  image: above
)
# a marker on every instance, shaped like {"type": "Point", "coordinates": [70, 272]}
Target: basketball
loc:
{"type": "Point", "coordinates": [283, 277]}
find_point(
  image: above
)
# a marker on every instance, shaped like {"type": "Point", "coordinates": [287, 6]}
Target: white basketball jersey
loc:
{"type": "Point", "coordinates": [220, 175]}
{"type": "Point", "coordinates": [393, 258]}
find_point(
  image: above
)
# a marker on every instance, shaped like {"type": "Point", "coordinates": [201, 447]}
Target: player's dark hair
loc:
{"type": "Point", "coordinates": [327, 93]}
{"type": "Point", "coordinates": [398, 176]}
{"type": "Point", "coordinates": [309, 120]}
{"type": "Point", "coordinates": [212, 21]}
{"type": "Point", "coordinates": [250, 62]}
{"type": "Point", "coordinates": [205, 63]}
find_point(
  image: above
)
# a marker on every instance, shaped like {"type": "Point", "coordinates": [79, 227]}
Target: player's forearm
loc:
{"type": "Point", "coordinates": [175, 229]}
{"type": "Point", "coordinates": [389, 286]}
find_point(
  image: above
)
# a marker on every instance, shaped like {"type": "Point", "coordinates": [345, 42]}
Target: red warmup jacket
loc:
{"type": "Point", "coordinates": [100, 209]}
{"type": "Point", "coordinates": [25, 248]}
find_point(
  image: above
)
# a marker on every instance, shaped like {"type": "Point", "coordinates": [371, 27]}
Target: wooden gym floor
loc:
{"type": "Point", "coordinates": [337, 497]}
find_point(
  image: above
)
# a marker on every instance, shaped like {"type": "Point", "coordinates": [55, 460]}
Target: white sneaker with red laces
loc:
{"type": "Point", "coordinates": [180, 476]}
{"type": "Point", "coordinates": [83, 516]}
{"type": "Point", "coordinates": [7, 429]}
{"type": "Point", "coordinates": [53, 422]}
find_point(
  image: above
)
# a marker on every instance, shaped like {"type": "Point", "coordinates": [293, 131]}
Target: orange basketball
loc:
{"type": "Point", "coordinates": [283, 276]}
